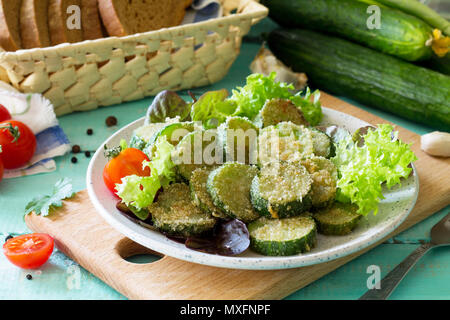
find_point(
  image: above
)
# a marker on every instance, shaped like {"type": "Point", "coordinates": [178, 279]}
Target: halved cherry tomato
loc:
{"type": "Point", "coordinates": [29, 251]}
{"type": "Point", "coordinates": [4, 114]}
{"type": "Point", "coordinates": [18, 144]}
{"type": "Point", "coordinates": [128, 162]}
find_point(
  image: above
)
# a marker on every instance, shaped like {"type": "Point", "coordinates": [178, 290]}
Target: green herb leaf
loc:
{"type": "Point", "coordinates": [42, 205]}
{"type": "Point", "coordinates": [162, 161]}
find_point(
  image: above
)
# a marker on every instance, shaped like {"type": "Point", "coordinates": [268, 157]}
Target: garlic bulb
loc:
{"type": "Point", "coordinates": [265, 62]}
{"type": "Point", "coordinates": [436, 143]}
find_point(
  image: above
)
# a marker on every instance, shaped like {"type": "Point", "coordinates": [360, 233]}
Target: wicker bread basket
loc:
{"type": "Point", "coordinates": [82, 76]}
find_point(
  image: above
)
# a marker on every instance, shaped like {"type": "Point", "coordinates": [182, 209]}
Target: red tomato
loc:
{"type": "Point", "coordinates": [128, 162]}
{"type": "Point", "coordinates": [4, 114]}
{"type": "Point", "coordinates": [1, 170]}
{"type": "Point", "coordinates": [29, 251]}
{"type": "Point", "coordinates": [18, 144]}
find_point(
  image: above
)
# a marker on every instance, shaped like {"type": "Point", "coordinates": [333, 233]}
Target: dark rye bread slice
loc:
{"type": "Point", "coordinates": [9, 25]}
{"type": "Point", "coordinates": [90, 20]}
{"type": "Point", "coordinates": [33, 24]}
{"type": "Point", "coordinates": [57, 22]}
{"type": "Point", "coordinates": [125, 17]}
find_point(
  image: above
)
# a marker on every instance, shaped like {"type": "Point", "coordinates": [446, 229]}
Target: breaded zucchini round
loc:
{"type": "Point", "coordinates": [200, 195]}
{"type": "Point", "coordinates": [229, 187]}
{"type": "Point", "coordinates": [324, 176]}
{"type": "Point", "coordinates": [339, 219]}
{"type": "Point", "coordinates": [281, 189]}
{"type": "Point", "coordinates": [282, 237]}
{"type": "Point", "coordinates": [175, 213]}
{"type": "Point", "coordinates": [275, 111]}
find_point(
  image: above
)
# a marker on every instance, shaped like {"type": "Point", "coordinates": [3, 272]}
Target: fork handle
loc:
{"type": "Point", "coordinates": [393, 278]}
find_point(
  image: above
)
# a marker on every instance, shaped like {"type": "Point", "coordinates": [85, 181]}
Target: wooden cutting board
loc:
{"type": "Point", "coordinates": [84, 236]}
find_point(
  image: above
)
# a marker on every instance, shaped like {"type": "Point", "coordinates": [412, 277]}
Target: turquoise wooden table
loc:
{"type": "Point", "coordinates": [62, 278]}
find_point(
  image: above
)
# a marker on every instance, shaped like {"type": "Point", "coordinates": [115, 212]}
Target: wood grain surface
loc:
{"type": "Point", "coordinates": [84, 236]}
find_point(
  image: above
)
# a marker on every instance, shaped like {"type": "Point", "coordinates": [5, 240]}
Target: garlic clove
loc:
{"type": "Point", "coordinates": [436, 143]}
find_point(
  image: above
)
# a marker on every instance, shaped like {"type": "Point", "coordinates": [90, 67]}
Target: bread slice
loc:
{"type": "Point", "coordinates": [9, 25]}
{"type": "Point", "coordinates": [33, 24]}
{"type": "Point", "coordinates": [124, 17]}
{"type": "Point", "coordinates": [57, 22]}
{"type": "Point", "coordinates": [90, 20]}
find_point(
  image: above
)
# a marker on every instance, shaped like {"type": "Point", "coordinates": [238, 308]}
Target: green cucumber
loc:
{"type": "Point", "coordinates": [370, 77]}
{"type": "Point", "coordinates": [200, 195]}
{"type": "Point", "coordinates": [282, 237]}
{"type": "Point", "coordinates": [281, 190]}
{"type": "Point", "coordinates": [339, 219]}
{"type": "Point", "coordinates": [229, 187]}
{"type": "Point", "coordinates": [175, 213]}
{"type": "Point", "coordinates": [238, 136]}
{"type": "Point", "coordinates": [399, 34]}
{"type": "Point", "coordinates": [275, 111]}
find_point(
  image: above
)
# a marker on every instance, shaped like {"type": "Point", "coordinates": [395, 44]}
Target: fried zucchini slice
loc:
{"type": "Point", "coordinates": [200, 195]}
{"type": "Point", "coordinates": [282, 237]}
{"type": "Point", "coordinates": [144, 135]}
{"type": "Point", "coordinates": [229, 187]}
{"type": "Point", "coordinates": [285, 141]}
{"type": "Point", "coordinates": [281, 190]}
{"type": "Point", "coordinates": [339, 219]}
{"type": "Point", "coordinates": [238, 136]}
{"type": "Point", "coordinates": [322, 143]}
{"type": "Point", "coordinates": [324, 176]}
{"type": "Point", "coordinates": [275, 111]}
{"type": "Point", "coordinates": [176, 214]}
{"type": "Point", "coordinates": [196, 150]}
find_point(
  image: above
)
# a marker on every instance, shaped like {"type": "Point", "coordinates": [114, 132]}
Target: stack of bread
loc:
{"type": "Point", "coordinates": [26, 24]}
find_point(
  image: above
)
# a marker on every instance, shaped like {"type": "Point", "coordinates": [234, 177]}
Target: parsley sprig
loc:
{"type": "Point", "coordinates": [42, 205]}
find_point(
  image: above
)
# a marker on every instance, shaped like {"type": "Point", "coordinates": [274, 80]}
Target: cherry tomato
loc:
{"type": "Point", "coordinates": [128, 162]}
{"type": "Point", "coordinates": [4, 114]}
{"type": "Point", "coordinates": [18, 144]}
{"type": "Point", "coordinates": [1, 170]}
{"type": "Point", "coordinates": [29, 251]}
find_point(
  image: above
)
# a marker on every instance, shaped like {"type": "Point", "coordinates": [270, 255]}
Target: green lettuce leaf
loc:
{"type": "Point", "coordinates": [139, 192]}
{"type": "Point", "coordinates": [251, 98]}
{"type": "Point", "coordinates": [162, 161]}
{"type": "Point", "coordinates": [362, 170]}
{"type": "Point", "coordinates": [212, 108]}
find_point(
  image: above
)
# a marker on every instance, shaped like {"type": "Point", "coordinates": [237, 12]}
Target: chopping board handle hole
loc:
{"type": "Point", "coordinates": [133, 252]}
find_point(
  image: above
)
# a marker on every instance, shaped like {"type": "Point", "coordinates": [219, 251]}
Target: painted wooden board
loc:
{"type": "Point", "coordinates": [83, 235]}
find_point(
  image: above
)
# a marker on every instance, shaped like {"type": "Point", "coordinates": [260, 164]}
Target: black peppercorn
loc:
{"type": "Point", "coordinates": [87, 154]}
{"type": "Point", "coordinates": [29, 276]}
{"type": "Point", "coordinates": [111, 121]}
{"type": "Point", "coordinates": [90, 132]}
{"type": "Point", "coordinates": [74, 160]}
{"type": "Point", "coordinates": [76, 148]}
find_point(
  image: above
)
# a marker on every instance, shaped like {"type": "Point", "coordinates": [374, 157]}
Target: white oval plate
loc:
{"type": "Point", "coordinates": [393, 210]}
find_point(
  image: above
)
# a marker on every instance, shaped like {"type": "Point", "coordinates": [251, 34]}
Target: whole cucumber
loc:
{"type": "Point", "coordinates": [366, 75]}
{"type": "Point", "coordinates": [397, 34]}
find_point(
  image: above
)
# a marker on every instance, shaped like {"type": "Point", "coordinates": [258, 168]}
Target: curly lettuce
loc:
{"type": "Point", "coordinates": [251, 98]}
{"type": "Point", "coordinates": [363, 169]}
{"type": "Point", "coordinates": [139, 192]}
